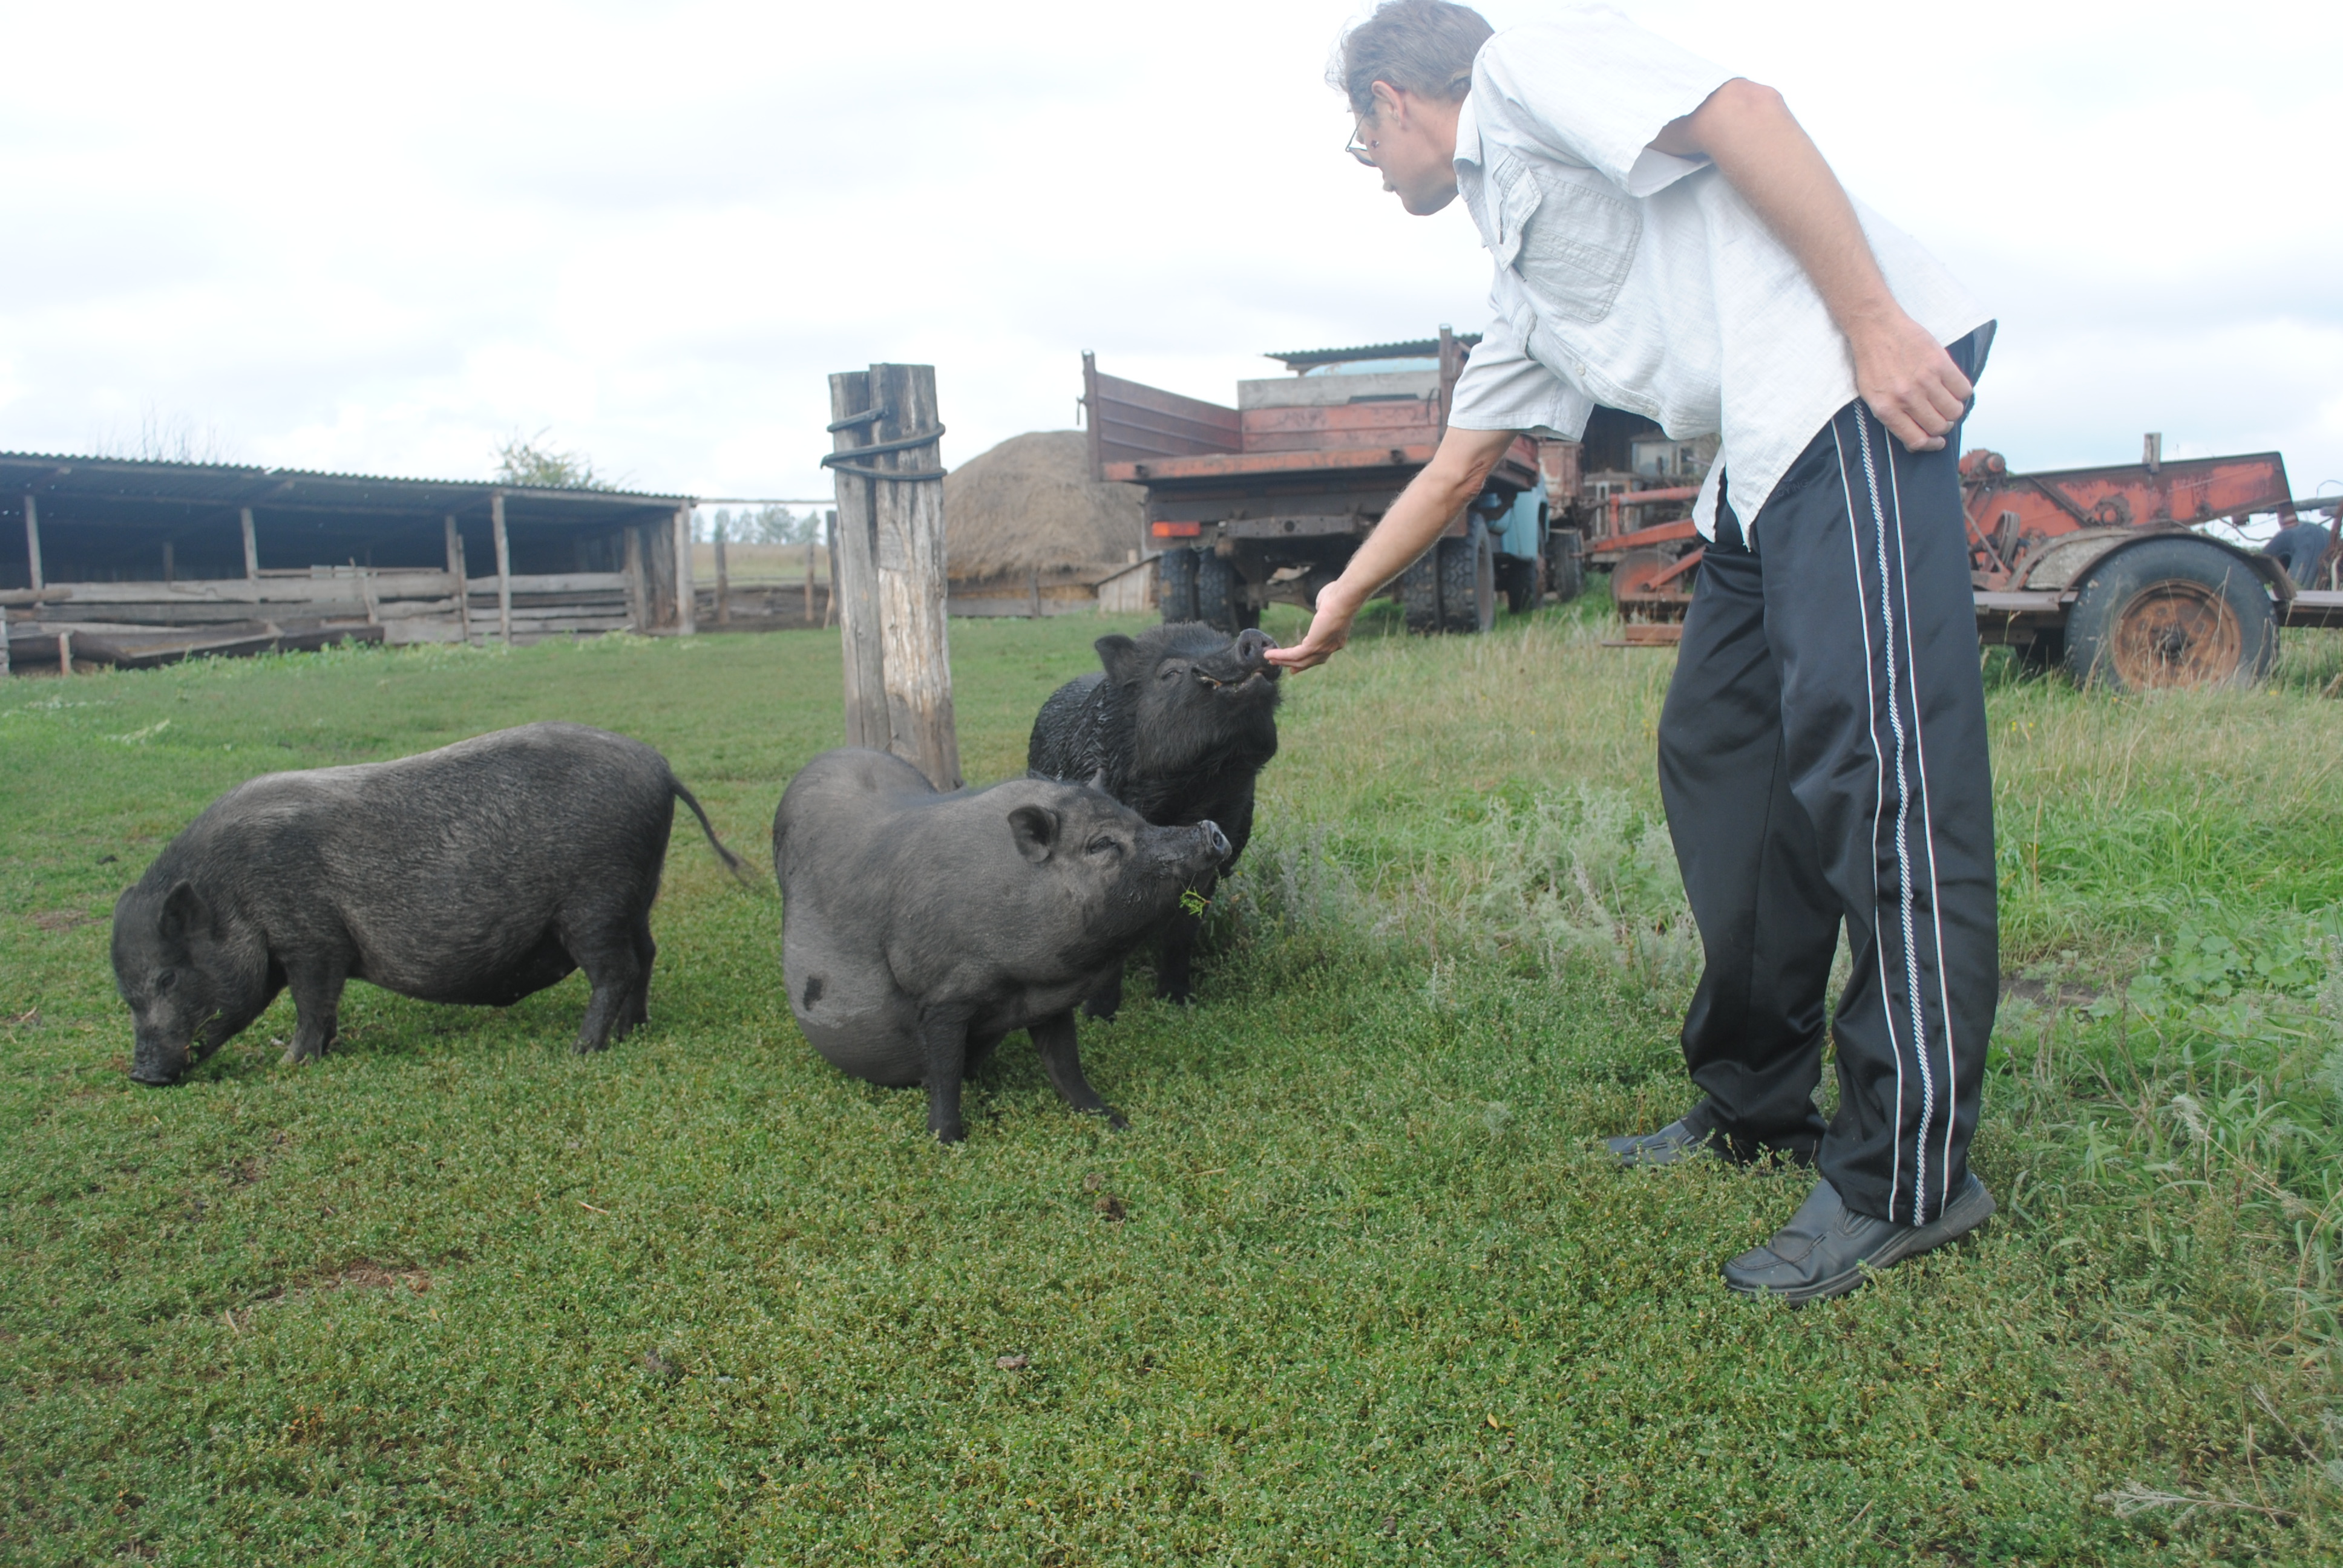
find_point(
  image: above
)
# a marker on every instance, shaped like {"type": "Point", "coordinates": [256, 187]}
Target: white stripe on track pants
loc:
{"type": "Point", "coordinates": [1822, 759]}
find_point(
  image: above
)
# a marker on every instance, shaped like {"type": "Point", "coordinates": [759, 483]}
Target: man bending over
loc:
{"type": "Point", "coordinates": [1668, 241]}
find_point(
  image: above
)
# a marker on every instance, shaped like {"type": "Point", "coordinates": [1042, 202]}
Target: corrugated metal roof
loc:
{"type": "Point", "coordinates": [1420, 348]}
{"type": "Point", "coordinates": [66, 483]}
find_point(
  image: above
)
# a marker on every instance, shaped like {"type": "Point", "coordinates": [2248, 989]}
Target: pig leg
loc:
{"type": "Point", "coordinates": [614, 966]}
{"type": "Point", "coordinates": [943, 1040]}
{"type": "Point", "coordinates": [1107, 1000]}
{"type": "Point", "coordinates": [1175, 950]}
{"type": "Point", "coordinates": [317, 985]}
{"type": "Point", "coordinates": [1053, 1037]}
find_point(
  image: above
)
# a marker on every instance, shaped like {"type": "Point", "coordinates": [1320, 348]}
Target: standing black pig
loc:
{"type": "Point", "coordinates": [476, 873]}
{"type": "Point", "coordinates": [1177, 727]}
{"type": "Point", "coordinates": [918, 928]}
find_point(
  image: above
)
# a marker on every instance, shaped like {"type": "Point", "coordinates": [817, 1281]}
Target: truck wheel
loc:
{"type": "Point", "coordinates": [1468, 580]}
{"type": "Point", "coordinates": [1175, 579]}
{"type": "Point", "coordinates": [1523, 578]}
{"type": "Point", "coordinates": [1419, 592]}
{"type": "Point", "coordinates": [1565, 565]}
{"type": "Point", "coordinates": [2168, 613]}
{"type": "Point", "coordinates": [1220, 600]}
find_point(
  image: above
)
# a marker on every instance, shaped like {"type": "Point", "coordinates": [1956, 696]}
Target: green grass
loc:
{"type": "Point", "coordinates": [457, 1295]}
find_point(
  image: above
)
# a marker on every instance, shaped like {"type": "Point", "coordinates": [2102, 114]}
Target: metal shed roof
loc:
{"type": "Point", "coordinates": [135, 490]}
{"type": "Point", "coordinates": [1419, 348]}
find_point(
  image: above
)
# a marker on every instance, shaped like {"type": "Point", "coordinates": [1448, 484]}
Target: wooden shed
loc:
{"type": "Point", "coordinates": [119, 561]}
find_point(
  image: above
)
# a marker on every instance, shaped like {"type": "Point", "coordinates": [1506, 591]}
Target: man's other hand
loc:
{"type": "Point", "coordinates": [1909, 381]}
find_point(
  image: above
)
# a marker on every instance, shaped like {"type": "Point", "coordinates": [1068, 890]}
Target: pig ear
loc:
{"type": "Point", "coordinates": [1120, 655]}
{"type": "Point", "coordinates": [184, 913]}
{"type": "Point", "coordinates": [1036, 831]}
{"type": "Point", "coordinates": [1097, 780]}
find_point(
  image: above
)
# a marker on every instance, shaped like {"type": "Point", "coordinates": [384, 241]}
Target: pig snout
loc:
{"type": "Point", "coordinates": [157, 1065]}
{"type": "Point", "coordinates": [1252, 648]}
{"type": "Point", "coordinates": [1216, 841]}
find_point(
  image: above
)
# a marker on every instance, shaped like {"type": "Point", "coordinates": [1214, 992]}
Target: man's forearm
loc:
{"type": "Point", "coordinates": [1436, 494]}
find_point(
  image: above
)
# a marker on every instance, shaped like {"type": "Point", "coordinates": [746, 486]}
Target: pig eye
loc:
{"type": "Point", "coordinates": [166, 980]}
{"type": "Point", "coordinates": [1173, 672]}
{"type": "Point", "coordinates": [1105, 845]}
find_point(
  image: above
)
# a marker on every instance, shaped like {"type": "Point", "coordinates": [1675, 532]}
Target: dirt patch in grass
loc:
{"type": "Point", "coordinates": [62, 919]}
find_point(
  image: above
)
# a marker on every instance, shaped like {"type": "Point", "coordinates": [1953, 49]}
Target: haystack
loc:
{"type": "Point", "coordinates": [1030, 506]}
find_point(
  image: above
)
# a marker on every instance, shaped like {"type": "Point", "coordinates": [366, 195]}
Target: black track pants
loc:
{"type": "Point", "coordinates": [1823, 759]}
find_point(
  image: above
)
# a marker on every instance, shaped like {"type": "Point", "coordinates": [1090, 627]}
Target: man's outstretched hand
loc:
{"type": "Point", "coordinates": [1909, 381]}
{"type": "Point", "coordinates": [1330, 629]}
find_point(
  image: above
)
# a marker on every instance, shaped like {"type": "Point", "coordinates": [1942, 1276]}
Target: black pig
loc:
{"type": "Point", "coordinates": [918, 928]}
{"type": "Point", "coordinates": [1177, 726]}
{"type": "Point", "coordinates": [476, 873]}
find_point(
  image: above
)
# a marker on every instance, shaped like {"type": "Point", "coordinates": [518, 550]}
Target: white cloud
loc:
{"type": "Point", "coordinates": [383, 238]}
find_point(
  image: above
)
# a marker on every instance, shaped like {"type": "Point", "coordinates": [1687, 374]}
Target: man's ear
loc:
{"type": "Point", "coordinates": [1035, 828]}
{"type": "Point", "coordinates": [184, 913]}
{"type": "Point", "coordinates": [1120, 656]}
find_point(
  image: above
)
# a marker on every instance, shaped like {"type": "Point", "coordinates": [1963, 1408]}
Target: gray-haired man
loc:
{"type": "Point", "coordinates": [1668, 241]}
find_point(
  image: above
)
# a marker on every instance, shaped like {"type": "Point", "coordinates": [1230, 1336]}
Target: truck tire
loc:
{"type": "Point", "coordinates": [1175, 579]}
{"type": "Point", "coordinates": [1419, 592]}
{"type": "Point", "coordinates": [1221, 599]}
{"type": "Point", "coordinates": [1468, 580]}
{"type": "Point", "coordinates": [2172, 612]}
{"type": "Point", "coordinates": [1565, 565]}
{"type": "Point", "coordinates": [1523, 580]}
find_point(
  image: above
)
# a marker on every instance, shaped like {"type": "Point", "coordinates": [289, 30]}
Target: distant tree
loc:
{"type": "Point", "coordinates": [528, 461]}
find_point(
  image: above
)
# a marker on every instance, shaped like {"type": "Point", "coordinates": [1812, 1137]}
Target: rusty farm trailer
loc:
{"type": "Point", "coordinates": [118, 562]}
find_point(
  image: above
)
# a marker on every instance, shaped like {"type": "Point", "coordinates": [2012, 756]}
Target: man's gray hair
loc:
{"type": "Point", "coordinates": [1424, 46]}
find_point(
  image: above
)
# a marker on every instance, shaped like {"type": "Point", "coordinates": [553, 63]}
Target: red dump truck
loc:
{"type": "Point", "coordinates": [1264, 503]}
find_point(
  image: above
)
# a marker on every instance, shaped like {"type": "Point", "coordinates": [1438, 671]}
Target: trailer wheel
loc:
{"type": "Point", "coordinates": [1468, 580]}
{"type": "Point", "coordinates": [1175, 578]}
{"type": "Point", "coordinates": [1523, 580]}
{"type": "Point", "coordinates": [2170, 613]}
{"type": "Point", "coordinates": [1221, 599]}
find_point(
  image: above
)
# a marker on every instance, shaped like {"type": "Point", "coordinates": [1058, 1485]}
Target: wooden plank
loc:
{"type": "Point", "coordinates": [252, 546]}
{"type": "Point", "coordinates": [855, 571]}
{"type": "Point", "coordinates": [1130, 419]}
{"type": "Point", "coordinates": [908, 537]}
{"type": "Point", "coordinates": [1236, 464]}
{"type": "Point", "coordinates": [504, 567]}
{"type": "Point", "coordinates": [2316, 606]}
{"type": "Point", "coordinates": [1665, 634]}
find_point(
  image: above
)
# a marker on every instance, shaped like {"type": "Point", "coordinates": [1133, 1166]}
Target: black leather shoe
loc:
{"type": "Point", "coordinates": [1679, 1140]}
{"type": "Point", "coordinates": [1696, 1132]}
{"type": "Point", "coordinates": [1827, 1249]}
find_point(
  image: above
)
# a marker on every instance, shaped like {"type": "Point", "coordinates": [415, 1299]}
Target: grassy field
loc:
{"type": "Point", "coordinates": [1355, 1286]}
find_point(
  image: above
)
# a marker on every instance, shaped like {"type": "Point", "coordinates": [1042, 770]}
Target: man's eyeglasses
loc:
{"type": "Point", "coordinates": [1360, 153]}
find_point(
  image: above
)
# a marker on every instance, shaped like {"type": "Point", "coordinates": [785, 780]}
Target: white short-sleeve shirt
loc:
{"type": "Point", "coordinates": [1629, 277]}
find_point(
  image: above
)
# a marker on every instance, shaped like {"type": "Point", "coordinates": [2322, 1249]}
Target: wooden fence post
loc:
{"type": "Point", "coordinates": [32, 538]}
{"type": "Point", "coordinates": [723, 579]}
{"type": "Point", "coordinates": [829, 595]}
{"type": "Point", "coordinates": [252, 545]}
{"type": "Point", "coordinates": [687, 608]}
{"type": "Point", "coordinates": [504, 568]}
{"type": "Point", "coordinates": [457, 588]}
{"type": "Point", "coordinates": [891, 560]}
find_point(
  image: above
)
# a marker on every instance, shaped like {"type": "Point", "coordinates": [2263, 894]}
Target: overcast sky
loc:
{"type": "Point", "coordinates": [382, 239]}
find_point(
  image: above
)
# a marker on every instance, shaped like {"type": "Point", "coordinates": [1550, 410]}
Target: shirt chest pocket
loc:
{"type": "Point", "coordinates": [1570, 236]}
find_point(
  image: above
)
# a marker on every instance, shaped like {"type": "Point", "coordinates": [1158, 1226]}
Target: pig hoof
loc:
{"type": "Point", "coordinates": [955, 1133]}
{"type": "Point", "coordinates": [1114, 1119]}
